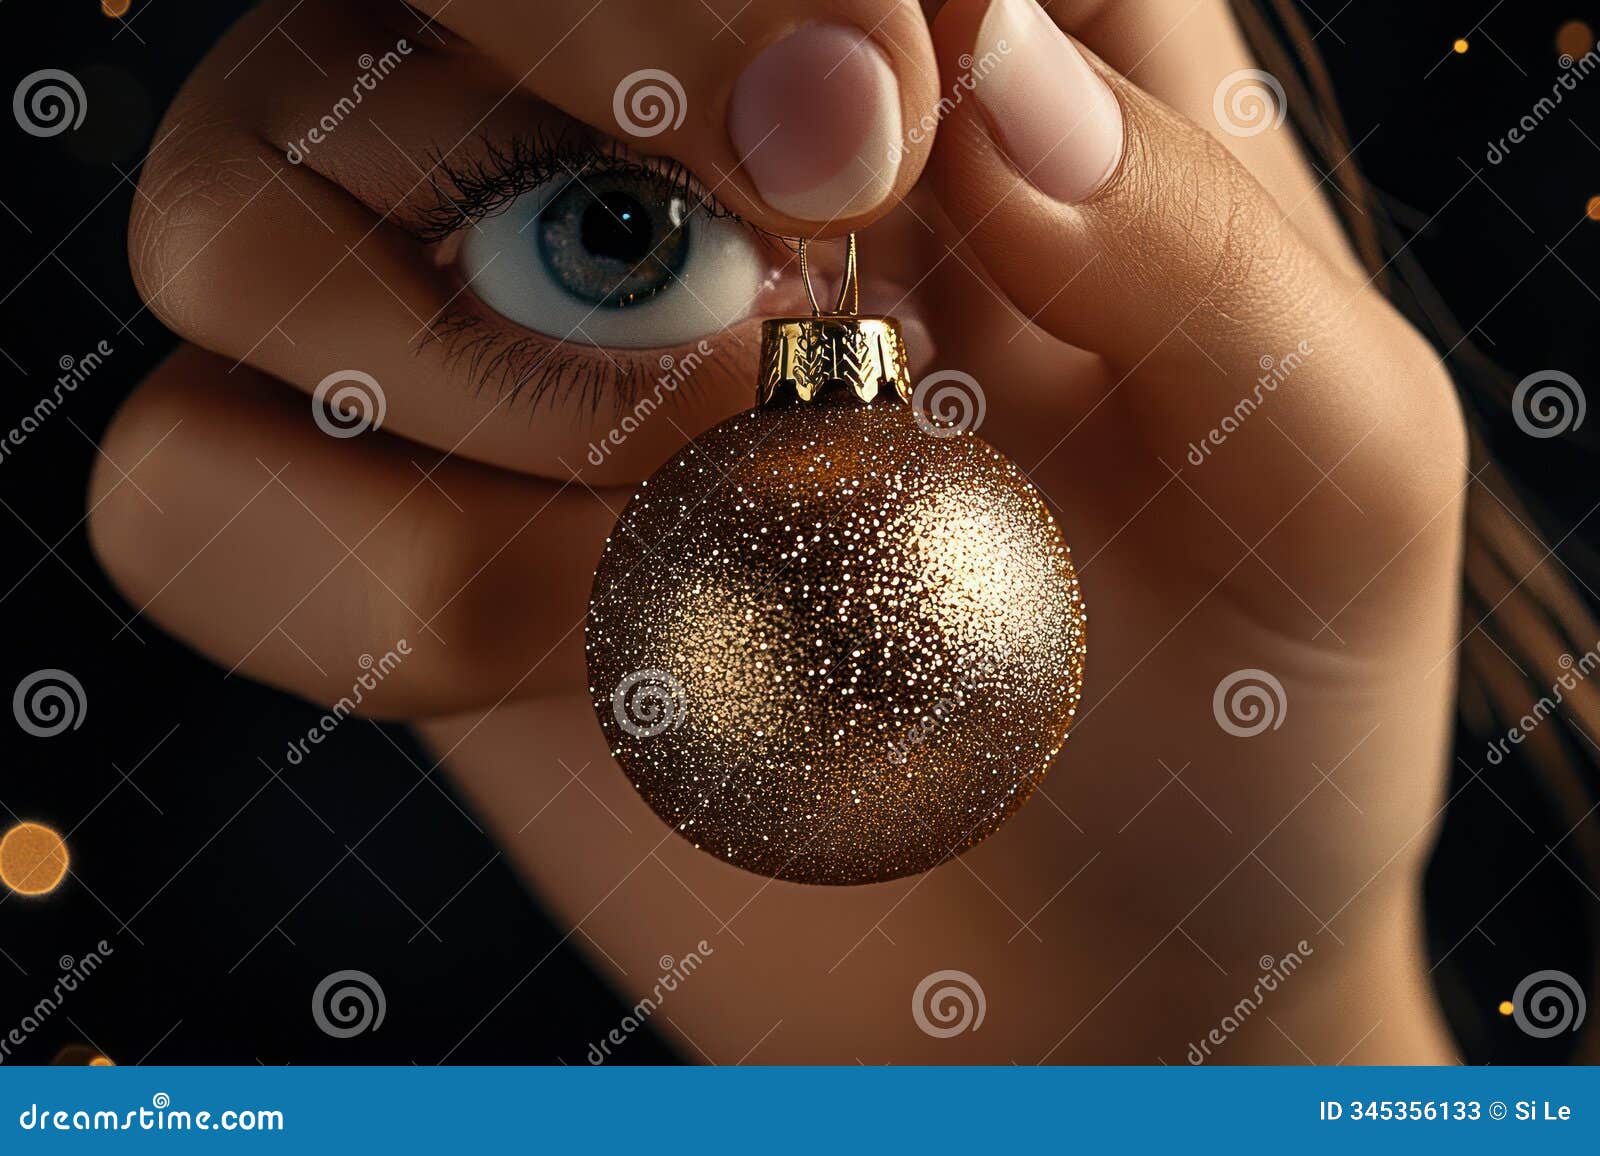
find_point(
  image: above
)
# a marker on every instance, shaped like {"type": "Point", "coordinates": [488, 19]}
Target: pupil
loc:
{"type": "Point", "coordinates": [617, 226]}
{"type": "Point", "coordinates": [613, 242]}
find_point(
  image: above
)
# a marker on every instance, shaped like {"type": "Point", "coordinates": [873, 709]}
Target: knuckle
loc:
{"type": "Point", "coordinates": [198, 178]}
{"type": "Point", "coordinates": [1196, 226]}
{"type": "Point", "coordinates": [1238, 240]}
{"type": "Point", "coordinates": [1249, 239]}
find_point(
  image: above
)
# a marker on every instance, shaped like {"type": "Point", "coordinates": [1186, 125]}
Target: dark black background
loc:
{"type": "Point", "coordinates": [225, 896]}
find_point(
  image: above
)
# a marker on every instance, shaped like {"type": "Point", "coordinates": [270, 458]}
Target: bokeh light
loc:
{"type": "Point", "coordinates": [33, 859]}
{"type": "Point", "coordinates": [1461, 46]}
{"type": "Point", "coordinates": [1574, 39]}
{"type": "Point", "coordinates": [116, 9]}
{"type": "Point", "coordinates": [1592, 209]}
{"type": "Point", "coordinates": [1506, 1008]}
{"type": "Point", "coordinates": [82, 1056]}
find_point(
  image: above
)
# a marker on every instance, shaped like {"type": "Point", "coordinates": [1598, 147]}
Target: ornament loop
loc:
{"type": "Point", "coordinates": [849, 286]}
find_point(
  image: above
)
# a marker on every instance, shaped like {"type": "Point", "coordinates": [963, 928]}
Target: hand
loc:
{"type": "Point", "coordinates": [1114, 275]}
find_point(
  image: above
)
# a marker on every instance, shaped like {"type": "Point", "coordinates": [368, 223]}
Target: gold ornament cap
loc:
{"type": "Point", "coordinates": [804, 357]}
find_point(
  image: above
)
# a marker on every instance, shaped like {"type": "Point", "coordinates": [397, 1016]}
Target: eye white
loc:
{"type": "Point", "coordinates": [504, 262]}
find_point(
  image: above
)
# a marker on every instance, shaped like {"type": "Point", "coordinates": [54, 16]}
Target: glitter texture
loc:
{"type": "Point", "coordinates": [829, 646]}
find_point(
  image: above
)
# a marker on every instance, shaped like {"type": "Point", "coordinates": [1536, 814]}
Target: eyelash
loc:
{"type": "Point", "coordinates": [498, 353]}
{"type": "Point", "coordinates": [504, 170]}
{"type": "Point", "coordinates": [534, 368]}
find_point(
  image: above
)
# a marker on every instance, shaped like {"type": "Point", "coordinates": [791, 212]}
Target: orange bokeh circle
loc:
{"type": "Point", "coordinates": [33, 859]}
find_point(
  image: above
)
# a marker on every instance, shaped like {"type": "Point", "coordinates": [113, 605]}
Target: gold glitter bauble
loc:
{"type": "Point", "coordinates": [831, 645]}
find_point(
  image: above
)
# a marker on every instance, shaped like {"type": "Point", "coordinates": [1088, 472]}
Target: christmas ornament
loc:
{"type": "Point", "coordinates": [834, 640]}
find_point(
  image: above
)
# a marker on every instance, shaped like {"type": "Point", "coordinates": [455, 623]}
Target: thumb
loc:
{"type": "Point", "coordinates": [1113, 222]}
{"type": "Point", "coordinates": [1120, 227]}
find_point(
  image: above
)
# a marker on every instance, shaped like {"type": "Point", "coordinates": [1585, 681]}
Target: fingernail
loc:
{"type": "Point", "coordinates": [1057, 121]}
{"type": "Point", "coordinates": [815, 119]}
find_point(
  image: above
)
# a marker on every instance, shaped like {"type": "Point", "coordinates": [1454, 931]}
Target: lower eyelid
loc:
{"type": "Point", "coordinates": [531, 370]}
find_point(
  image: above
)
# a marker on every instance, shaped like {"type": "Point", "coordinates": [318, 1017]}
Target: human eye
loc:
{"type": "Point", "coordinates": [580, 244]}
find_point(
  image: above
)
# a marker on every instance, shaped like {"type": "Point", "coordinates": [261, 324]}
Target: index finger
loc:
{"type": "Point", "coordinates": [794, 112]}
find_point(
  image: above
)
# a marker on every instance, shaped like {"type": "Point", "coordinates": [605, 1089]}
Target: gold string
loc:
{"type": "Point", "coordinates": [849, 286]}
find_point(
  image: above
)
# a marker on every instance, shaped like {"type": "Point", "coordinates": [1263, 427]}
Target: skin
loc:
{"type": "Point", "coordinates": [1123, 913]}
